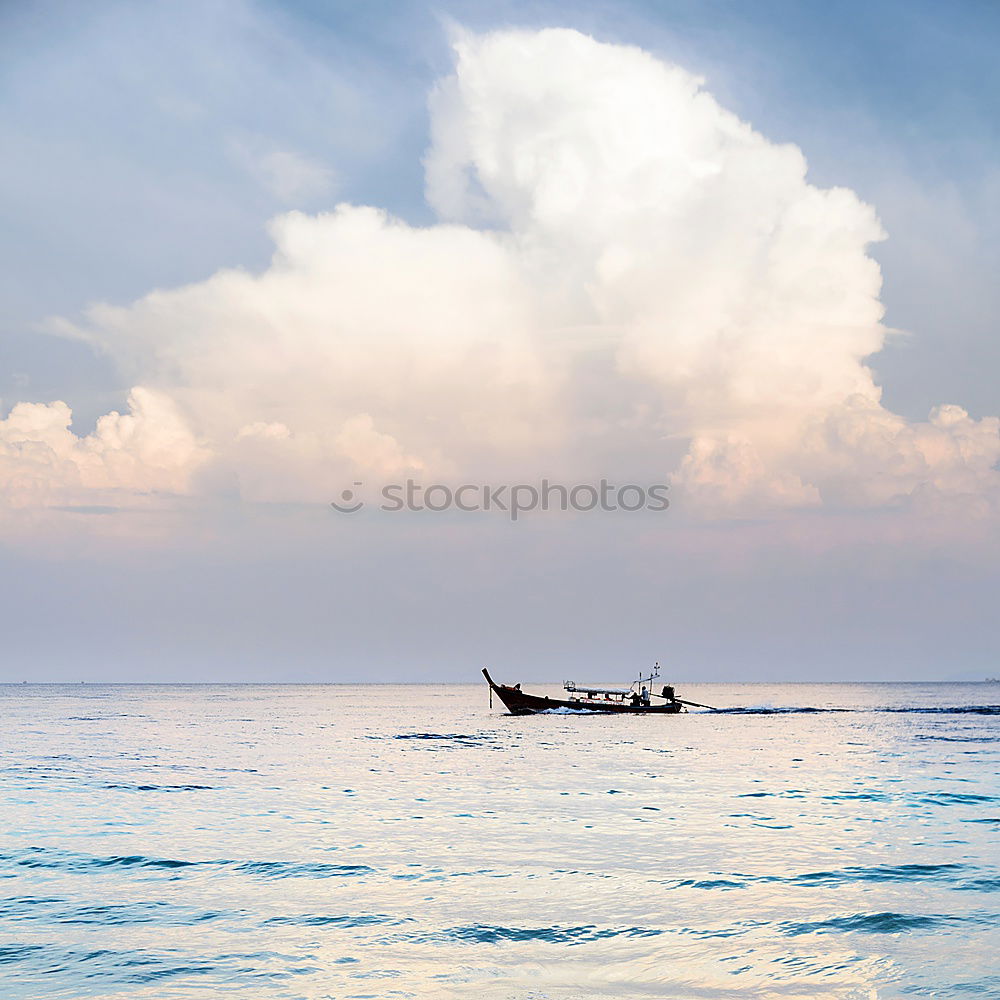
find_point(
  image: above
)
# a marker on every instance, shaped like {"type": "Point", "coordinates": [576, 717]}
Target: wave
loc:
{"type": "Point", "coordinates": [55, 910]}
{"type": "Point", "coordinates": [956, 799]}
{"type": "Point", "coordinates": [340, 920]}
{"type": "Point", "coordinates": [454, 739]}
{"type": "Point", "coordinates": [556, 934]}
{"type": "Point", "coordinates": [715, 883]}
{"type": "Point", "coordinates": [160, 788]}
{"type": "Point", "coordinates": [46, 858]}
{"type": "Point", "coordinates": [866, 923]}
{"type": "Point", "coordinates": [288, 869]}
{"type": "Point", "coordinates": [980, 885]}
{"type": "Point", "coordinates": [946, 873]}
{"type": "Point", "coordinates": [18, 952]}
{"type": "Point", "coordinates": [858, 797]}
{"type": "Point", "coordinates": [132, 967]}
{"type": "Point", "coordinates": [879, 873]}
{"type": "Point", "coordinates": [874, 923]}
{"type": "Point", "coordinates": [928, 798]}
{"type": "Point", "coordinates": [104, 717]}
{"type": "Point", "coordinates": [54, 860]}
{"type": "Point", "coordinates": [955, 739]}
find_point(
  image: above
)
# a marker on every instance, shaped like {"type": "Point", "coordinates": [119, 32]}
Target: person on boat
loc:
{"type": "Point", "coordinates": [645, 695]}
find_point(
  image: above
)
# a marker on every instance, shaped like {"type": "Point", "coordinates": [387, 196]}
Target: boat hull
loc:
{"type": "Point", "coordinates": [518, 702]}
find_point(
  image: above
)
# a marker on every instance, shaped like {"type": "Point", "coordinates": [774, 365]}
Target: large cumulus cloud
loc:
{"type": "Point", "coordinates": [606, 227]}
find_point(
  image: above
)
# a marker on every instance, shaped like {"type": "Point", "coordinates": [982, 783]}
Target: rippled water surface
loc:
{"type": "Point", "coordinates": [348, 842]}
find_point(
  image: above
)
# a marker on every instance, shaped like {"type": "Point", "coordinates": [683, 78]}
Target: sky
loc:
{"type": "Point", "coordinates": [255, 255]}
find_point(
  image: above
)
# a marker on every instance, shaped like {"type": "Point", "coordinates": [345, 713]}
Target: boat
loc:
{"type": "Point", "coordinates": [636, 699]}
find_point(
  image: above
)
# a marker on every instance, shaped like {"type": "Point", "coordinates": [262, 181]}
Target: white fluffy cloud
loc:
{"type": "Point", "coordinates": [589, 195]}
{"type": "Point", "coordinates": [148, 449]}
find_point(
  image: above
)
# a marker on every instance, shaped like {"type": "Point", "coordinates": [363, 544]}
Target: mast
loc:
{"type": "Point", "coordinates": [653, 674]}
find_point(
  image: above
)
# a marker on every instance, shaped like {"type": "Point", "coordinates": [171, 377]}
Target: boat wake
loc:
{"type": "Point", "coordinates": [901, 710]}
{"type": "Point", "coordinates": [781, 710]}
{"type": "Point", "coordinates": [562, 710]}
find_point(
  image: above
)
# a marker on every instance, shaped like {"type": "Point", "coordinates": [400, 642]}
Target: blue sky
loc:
{"type": "Point", "coordinates": [146, 146]}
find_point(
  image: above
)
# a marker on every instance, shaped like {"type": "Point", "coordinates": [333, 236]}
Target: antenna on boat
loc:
{"type": "Point", "coordinates": [653, 674]}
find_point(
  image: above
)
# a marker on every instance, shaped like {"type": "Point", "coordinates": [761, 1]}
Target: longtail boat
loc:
{"type": "Point", "coordinates": [633, 700]}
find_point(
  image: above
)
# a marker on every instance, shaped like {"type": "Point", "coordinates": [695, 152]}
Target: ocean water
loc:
{"type": "Point", "coordinates": [270, 842]}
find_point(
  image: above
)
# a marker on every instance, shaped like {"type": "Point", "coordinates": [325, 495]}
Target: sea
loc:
{"type": "Point", "coordinates": [370, 842]}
